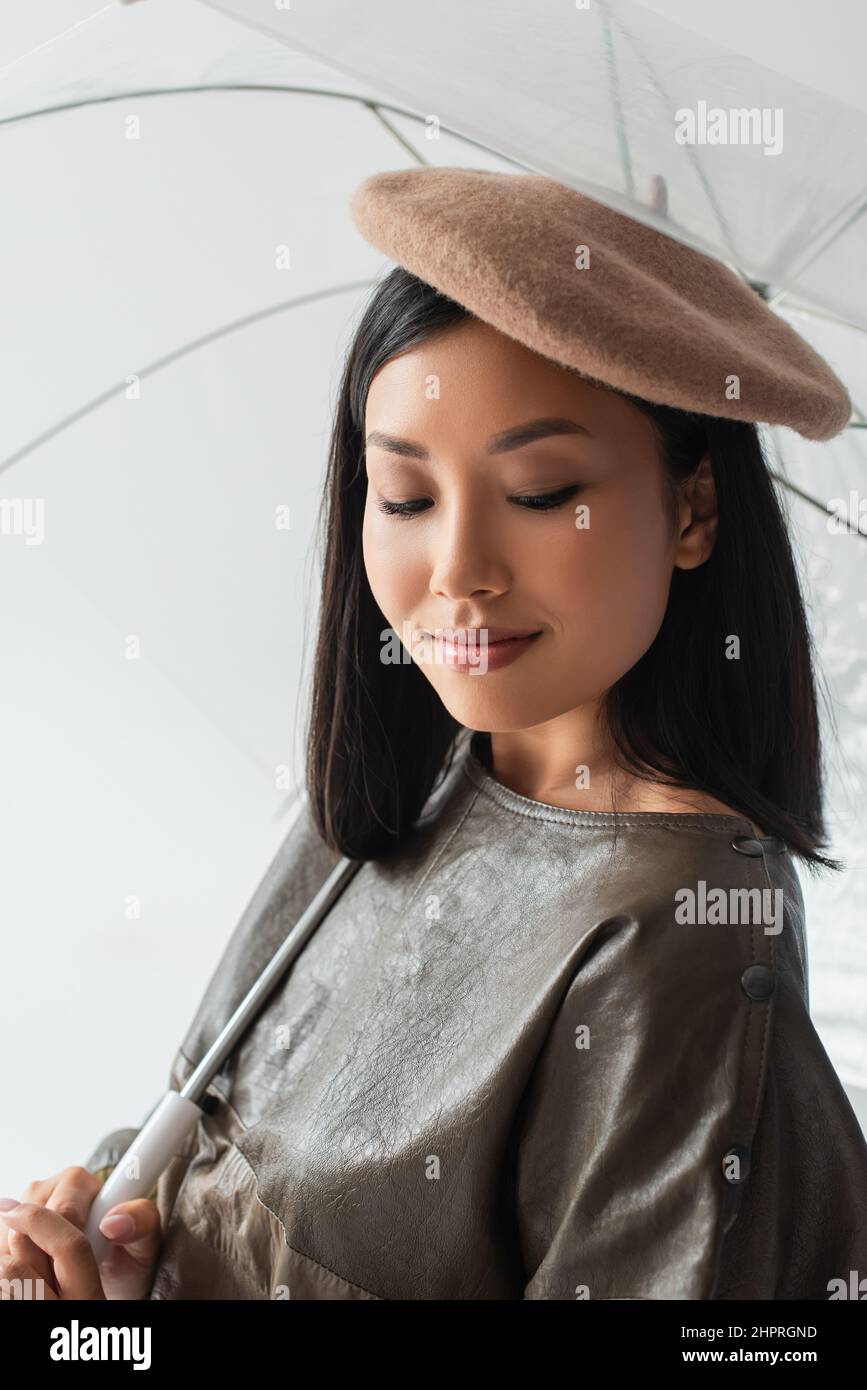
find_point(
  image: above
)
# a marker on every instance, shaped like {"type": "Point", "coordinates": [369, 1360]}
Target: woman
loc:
{"type": "Point", "coordinates": [553, 1041]}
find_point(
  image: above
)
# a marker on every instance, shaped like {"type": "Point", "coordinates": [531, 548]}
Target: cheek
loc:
{"type": "Point", "coordinates": [610, 585]}
{"type": "Point", "coordinates": [394, 566]}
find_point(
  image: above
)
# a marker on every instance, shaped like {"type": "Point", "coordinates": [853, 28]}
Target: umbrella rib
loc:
{"type": "Point", "coordinates": [622, 141]}
{"type": "Point", "coordinates": [79, 24]}
{"type": "Point", "coordinates": [175, 355]}
{"type": "Point", "coordinates": [283, 88]}
{"type": "Point", "coordinates": [690, 149]}
{"type": "Point", "coordinates": [813, 501]}
{"type": "Point", "coordinates": [392, 130]}
{"type": "Point", "coordinates": [820, 247]}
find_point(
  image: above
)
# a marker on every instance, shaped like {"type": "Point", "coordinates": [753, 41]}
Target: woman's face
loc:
{"type": "Point", "coordinates": [589, 575]}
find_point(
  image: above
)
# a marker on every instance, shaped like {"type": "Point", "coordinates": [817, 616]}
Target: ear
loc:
{"type": "Point", "coordinates": [696, 518]}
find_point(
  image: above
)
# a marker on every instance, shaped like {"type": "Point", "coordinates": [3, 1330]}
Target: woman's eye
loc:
{"type": "Point", "coordinates": [543, 503]}
{"type": "Point", "coordinates": [401, 508]}
{"type": "Point", "coordinates": [548, 500]}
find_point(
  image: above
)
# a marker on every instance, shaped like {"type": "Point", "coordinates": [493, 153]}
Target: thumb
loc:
{"type": "Point", "coordinates": [134, 1225]}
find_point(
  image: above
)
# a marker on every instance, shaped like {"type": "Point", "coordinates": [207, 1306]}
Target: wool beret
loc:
{"type": "Point", "coordinates": [622, 304]}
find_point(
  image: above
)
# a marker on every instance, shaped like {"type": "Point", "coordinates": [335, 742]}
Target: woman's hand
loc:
{"type": "Point", "coordinates": [43, 1238]}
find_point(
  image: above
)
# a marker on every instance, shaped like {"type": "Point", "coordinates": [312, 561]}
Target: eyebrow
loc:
{"type": "Point", "coordinates": [514, 438]}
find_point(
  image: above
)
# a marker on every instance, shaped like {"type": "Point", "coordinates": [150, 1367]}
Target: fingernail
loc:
{"type": "Point", "coordinates": [121, 1226]}
{"type": "Point", "coordinates": [7, 1203]}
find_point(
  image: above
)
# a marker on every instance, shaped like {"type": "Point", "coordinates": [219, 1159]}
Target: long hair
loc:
{"type": "Point", "coordinates": [742, 727]}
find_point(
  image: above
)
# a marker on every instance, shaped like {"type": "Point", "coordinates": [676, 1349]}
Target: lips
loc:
{"type": "Point", "coordinates": [474, 636]}
{"type": "Point", "coordinates": [467, 655]}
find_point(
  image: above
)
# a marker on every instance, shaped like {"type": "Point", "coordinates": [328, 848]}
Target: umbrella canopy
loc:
{"type": "Point", "coordinates": [605, 96]}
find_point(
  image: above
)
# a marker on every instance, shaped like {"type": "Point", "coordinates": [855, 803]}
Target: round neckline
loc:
{"type": "Point", "coordinates": [514, 801]}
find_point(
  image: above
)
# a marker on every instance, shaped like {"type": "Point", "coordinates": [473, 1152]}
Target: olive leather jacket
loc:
{"type": "Point", "coordinates": [543, 1054]}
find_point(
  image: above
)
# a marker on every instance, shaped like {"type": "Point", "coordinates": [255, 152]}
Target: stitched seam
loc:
{"type": "Point", "coordinates": [294, 1248]}
{"type": "Point", "coordinates": [689, 820]}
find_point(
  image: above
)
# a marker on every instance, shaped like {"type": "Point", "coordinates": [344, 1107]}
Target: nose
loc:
{"type": "Point", "coordinates": [468, 559]}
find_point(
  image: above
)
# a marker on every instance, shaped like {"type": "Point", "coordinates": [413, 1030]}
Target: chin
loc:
{"type": "Point", "coordinates": [502, 716]}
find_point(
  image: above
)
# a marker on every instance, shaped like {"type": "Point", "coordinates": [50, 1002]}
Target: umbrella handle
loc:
{"type": "Point", "coordinates": [148, 1155]}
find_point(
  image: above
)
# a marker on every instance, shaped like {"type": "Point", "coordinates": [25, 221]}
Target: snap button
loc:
{"type": "Point", "coordinates": [736, 1164]}
{"type": "Point", "coordinates": [753, 846]}
{"type": "Point", "coordinates": [746, 844]}
{"type": "Point", "coordinates": [758, 981]}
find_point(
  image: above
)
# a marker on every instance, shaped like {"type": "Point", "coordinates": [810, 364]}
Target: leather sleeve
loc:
{"type": "Point", "coordinates": [652, 1072]}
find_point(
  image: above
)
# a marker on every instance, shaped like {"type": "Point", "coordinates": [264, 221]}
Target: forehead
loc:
{"type": "Point", "coordinates": [470, 349]}
{"type": "Point", "coordinates": [488, 382]}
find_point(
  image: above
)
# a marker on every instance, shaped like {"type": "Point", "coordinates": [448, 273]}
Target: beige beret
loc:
{"type": "Point", "coordinates": [644, 313]}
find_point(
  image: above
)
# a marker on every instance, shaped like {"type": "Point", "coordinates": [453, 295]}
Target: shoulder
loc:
{"type": "Point", "coordinates": [676, 976]}
{"type": "Point", "coordinates": [679, 917]}
{"type": "Point", "coordinates": [671, 800]}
